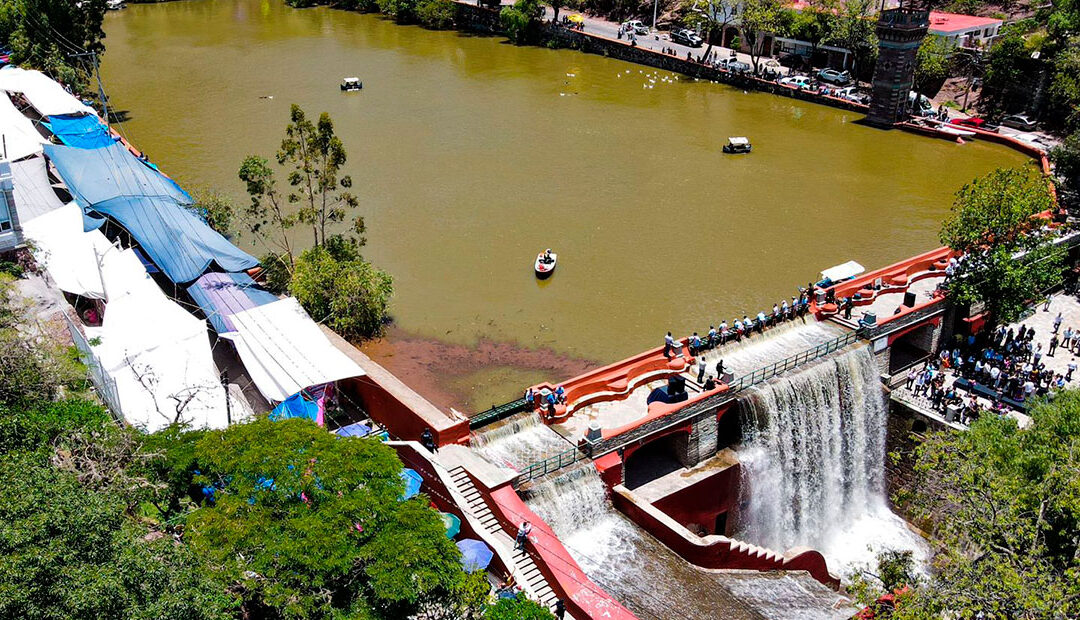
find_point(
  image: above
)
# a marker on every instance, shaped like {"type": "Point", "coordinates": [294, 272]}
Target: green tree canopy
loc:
{"type": "Point", "coordinates": [1003, 79]}
{"type": "Point", "coordinates": [758, 18]}
{"type": "Point", "coordinates": [44, 34]}
{"type": "Point", "coordinates": [932, 65]}
{"type": "Point", "coordinates": [1007, 261]}
{"type": "Point", "coordinates": [1066, 160]}
{"type": "Point", "coordinates": [339, 288]}
{"type": "Point", "coordinates": [522, 20]}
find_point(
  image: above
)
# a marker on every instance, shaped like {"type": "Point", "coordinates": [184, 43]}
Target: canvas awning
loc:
{"type": "Point", "coordinates": [96, 175]}
{"type": "Point", "coordinates": [284, 351]}
{"type": "Point", "coordinates": [221, 295]}
{"type": "Point", "coordinates": [159, 356]}
{"type": "Point", "coordinates": [20, 138]}
{"type": "Point", "coordinates": [46, 95]}
{"type": "Point", "coordinates": [83, 132]}
{"type": "Point", "coordinates": [34, 195]}
{"type": "Point", "coordinates": [842, 272]}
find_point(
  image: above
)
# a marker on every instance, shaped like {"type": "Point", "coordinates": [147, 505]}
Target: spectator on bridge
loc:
{"type": "Point", "coordinates": [560, 609]}
{"type": "Point", "coordinates": [669, 344]}
{"type": "Point", "coordinates": [560, 395]}
{"type": "Point", "coordinates": [700, 369]}
{"type": "Point", "coordinates": [720, 370]}
{"type": "Point", "coordinates": [522, 536]}
{"type": "Point", "coordinates": [695, 344]}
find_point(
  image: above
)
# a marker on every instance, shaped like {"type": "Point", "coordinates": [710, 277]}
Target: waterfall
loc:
{"type": "Point", "coordinates": [813, 463]}
{"type": "Point", "coordinates": [519, 441]}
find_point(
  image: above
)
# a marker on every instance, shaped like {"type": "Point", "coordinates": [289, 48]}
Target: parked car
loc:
{"type": "Point", "coordinates": [734, 65]}
{"type": "Point", "coordinates": [794, 61]}
{"type": "Point", "coordinates": [852, 93]}
{"type": "Point", "coordinates": [832, 76]}
{"type": "Point", "coordinates": [974, 122]}
{"type": "Point", "coordinates": [685, 36]}
{"type": "Point", "coordinates": [797, 81]}
{"type": "Point", "coordinates": [635, 26]}
{"type": "Point", "coordinates": [1019, 121]}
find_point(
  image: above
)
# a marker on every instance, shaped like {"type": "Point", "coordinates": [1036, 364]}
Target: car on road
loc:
{"type": "Point", "coordinates": [635, 26]}
{"type": "Point", "coordinates": [1020, 121]}
{"type": "Point", "coordinates": [973, 122]}
{"type": "Point", "coordinates": [832, 76]}
{"type": "Point", "coordinates": [686, 36]}
{"type": "Point", "coordinates": [797, 81]}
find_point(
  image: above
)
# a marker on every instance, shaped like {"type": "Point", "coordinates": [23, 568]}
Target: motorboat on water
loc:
{"type": "Point", "coordinates": [737, 145]}
{"type": "Point", "coordinates": [351, 83]}
{"type": "Point", "coordinates": [545, 264]}
{"type": "Point", "coordinates": [115, 5]}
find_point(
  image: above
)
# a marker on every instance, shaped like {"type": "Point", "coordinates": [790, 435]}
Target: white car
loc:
{"type": "Point", "coordinates": [852, 93]}
{"type": "Point", "coordinates": [797, 81]}
{"type": "Point", "coordinates": [635, 26]}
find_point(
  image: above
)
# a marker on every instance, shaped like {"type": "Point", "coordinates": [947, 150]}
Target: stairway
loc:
{"type": "Point", "coordinates": [525, 572]}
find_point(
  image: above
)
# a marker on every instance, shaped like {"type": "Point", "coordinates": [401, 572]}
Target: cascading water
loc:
{"type": "Point", "coordinates": [518, 441]}
{"type": "Point", "coordinates": [650, 579]}
{"type": "Point", "coordinates": [813, 464]}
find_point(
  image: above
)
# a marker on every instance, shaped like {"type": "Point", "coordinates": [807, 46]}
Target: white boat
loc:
{"type": "Point", "coordinates": [115, 5]}
{"type": "Point", "coordinates": [545, 264]}
{"type": "Point", "coordinates": [737, 145]}
{"type": "Point", "coordinates": [952, 130]}
{"type": "Point", "coordinates": [352, 83]}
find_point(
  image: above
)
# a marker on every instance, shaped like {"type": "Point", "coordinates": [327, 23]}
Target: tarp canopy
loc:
{"type": "Point", "coordinates": [838, 273]}
{"type": "Point", "coordinates": [82, 263]}
{"type": "Point", "coordinates": [34, 194]}
{"type": "Point", "coordinates": [223, 294]}
{"type": "Point", "coordinates": [21, 139]}
{"type": "Point", "coordinates": [85, 131]}
{"type": "Point", "coordinates": [178, 242]}
{"type": "Point", "coordinates": [97, 175]}
{"type": "Point", "coordinates": [46, 95]}
{"type": "Point", "coordinates": [413, 481]}
{"type": "Point", "coordinates": [354, 430]}
{"type": "Point", "coordinates": [296, 406]}
{"type": "Point", "coordinates": [159, 356]}
{"type": "Point", "coordinates": [284, 351]}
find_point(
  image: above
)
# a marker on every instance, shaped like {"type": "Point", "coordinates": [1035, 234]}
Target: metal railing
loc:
{"type": "Point", "coordinates": [106, 385]}
{"type": "Point", "coordinates": [551, 464]}
{"type": "Point", "coordinates": [497, 413]}
{"type": "Point", "coordinates": [768, 372]}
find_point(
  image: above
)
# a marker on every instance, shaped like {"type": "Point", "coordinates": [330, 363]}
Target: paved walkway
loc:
{"type": "Point", "coordinates": [1043, 322]}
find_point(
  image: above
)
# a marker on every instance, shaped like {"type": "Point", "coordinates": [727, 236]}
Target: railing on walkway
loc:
{"type": "Point", "coordinates": [497, 413]}
{"type": "Point", "coordinates": [768, 372]}
{"type": "Point", "coordinates": [106, 385]}
{"type": "Point", "coordinates": [551, 464]}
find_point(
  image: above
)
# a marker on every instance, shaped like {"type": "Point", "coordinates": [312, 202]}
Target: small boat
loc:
{"type": "Point", "coordinates": [952, 130]}
{"type": "Point", "coordinates": [115, 5]}
{"type": "Point", "coordinates": [545, 264]}
{"type": "Point", "coordinates": [351, 83]}
{"type": "Point", "coordinates": [737, 145]}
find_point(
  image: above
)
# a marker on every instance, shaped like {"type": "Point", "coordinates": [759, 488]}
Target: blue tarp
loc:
{"type": "Point", "coordinates": [354, 430]}
{"type": "Point", "coordinates": [296, 406]}
{"type": "Point", "coordinates": [475, 555]}
{"type": "Point", "coordinates": [84, 132]}
{"type": "Point", "coordinates": [223, 294]}
{"type": "Point", "coordinates": [97, 175]}
{"type": "Point", "coordinates": [412, 481]}
{"type": "Point", "coordinates": [178, 242]}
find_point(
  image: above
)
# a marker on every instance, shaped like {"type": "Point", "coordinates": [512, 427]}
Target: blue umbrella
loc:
{"type": "Point", "coordinates": [353, 430]}
{"type": "Point", "coordinates": [475, 555]}
{"type": "Point", "coordinates": [412, 482]}
{"type": "Point", "coordinates": [452, 523]}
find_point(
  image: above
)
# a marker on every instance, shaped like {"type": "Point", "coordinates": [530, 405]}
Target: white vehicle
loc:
{"type": "Point", "coordinates": [635, 26]}
{"type": "Point", "coordinates": [732, 63]}
{"type": "Point", "coordinates": [925, 106]}
{"type": "Point", "coordinates": [115, 5]}
{"type": "Point", "coordinates": [797, 81]}
{"type": "Point", "coordinates": [852, 93]}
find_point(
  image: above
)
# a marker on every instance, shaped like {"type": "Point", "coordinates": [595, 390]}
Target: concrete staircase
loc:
{"type": "Point", "coordinates": [524, 569]}
{"type": "Point", "coordinates": [755, 552]}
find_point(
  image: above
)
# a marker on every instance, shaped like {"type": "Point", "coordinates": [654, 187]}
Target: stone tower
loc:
{"type": "Point", "coordinates": [900, 31]}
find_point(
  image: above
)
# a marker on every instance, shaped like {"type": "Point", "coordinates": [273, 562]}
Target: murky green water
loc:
{"type": "Point", "coordinates": [470, 155]}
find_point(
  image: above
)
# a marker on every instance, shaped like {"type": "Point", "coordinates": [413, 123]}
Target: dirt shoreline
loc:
{"type": "Point", "coordinates": [441, 371]}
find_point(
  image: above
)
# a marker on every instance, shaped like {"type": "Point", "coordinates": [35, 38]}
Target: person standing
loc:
{"type": "Point", "coordinates": [560, 609]}
{"type": "Point", "coordinates": [1053, 345]}
{"type": "Point", "coordinates": [428, 441]}
{"type": "Point", "coordinates": [522, 536]}
{"type": "Point", "coordinates": [701, 369]}
{"type": "Point", "coordinates": [669, 344]}
{"type": "Point", "coordinates": [1057, 322]}
{"type": "Point", "coordinates": [720, 370]}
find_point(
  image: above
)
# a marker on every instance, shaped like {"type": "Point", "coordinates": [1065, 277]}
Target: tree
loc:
{"type": "Point", "coordinates": [519, 608]}
{"type": "Point", "coordinates": [1065, 88]}
{"type": "Point", "coordinates": [266, 215]}
{"type": "Point", "coordinates": [932, 65]}
{"type": "Point", "coordinates": [43, 34]}
{"type": "Point", "coordinates": [759, 18]}
{"type": "Point", "coordinates": [308, 523]}
{"type": "Point", "coordinates": [854, 31]}
{"type": "Point", "coordinates": [216, 210]}
{"type": "Point", "coordinates": [1003, 81]}
{"type": "Point", "coordinates": [1007, 260]}
{"type": "Point", "coordinates": [522, 20]}
{"type": "Point", "coordinates": [340, 289]}
{"type": "Point", "coordinates": [438, 14]}
{"type": "Point", "coordinates": [1005, 504]}
{"type": "Point", "coordinates": [814, 24]}
{"type": "Point", "coordinates": [402, 11]}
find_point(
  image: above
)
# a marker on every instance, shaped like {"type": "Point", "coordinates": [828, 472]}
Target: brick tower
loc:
{"type": "Point", "coordinates": [900, 31]}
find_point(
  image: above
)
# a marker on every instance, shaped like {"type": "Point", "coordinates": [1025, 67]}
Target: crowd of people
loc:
{"type": "Point", "coordinates": [1011, 365]}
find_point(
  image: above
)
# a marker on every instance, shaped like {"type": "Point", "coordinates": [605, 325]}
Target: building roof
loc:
{"type": "Point", "coordinates": [954, 23]}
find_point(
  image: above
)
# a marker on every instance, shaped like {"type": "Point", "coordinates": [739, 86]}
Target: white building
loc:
{"type": "Point", "coordinates": [964, 30]}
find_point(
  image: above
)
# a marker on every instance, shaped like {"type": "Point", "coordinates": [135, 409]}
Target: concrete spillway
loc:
{"type": "Point", "coordinates": [518, 441]}
{"type": "Point", "coordinates": [649, 578]}
{"type": "Point", "coordinates": [813, 464]}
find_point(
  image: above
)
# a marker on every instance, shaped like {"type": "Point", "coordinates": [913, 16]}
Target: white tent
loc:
{"type": "Point", "coordinates": [20, 139]}
{"type": "Point", "coordinates": [46, 95]}
{"type": "Point", "coordinates": [82, 263]}
{"type": "Point", "coordinates": [159, 356]}
{"type": "Point", "coordinates": [34, 194]}
{"type": "Point", "coordinates": [284, 351]}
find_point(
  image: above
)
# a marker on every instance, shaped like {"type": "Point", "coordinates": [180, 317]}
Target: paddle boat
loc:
{"type": "Point", "coordinates": [737, 145]}
{"type": "Point", "coordinates": [351, 83]}
{"type": "Point", "coordinates": [545, 264]}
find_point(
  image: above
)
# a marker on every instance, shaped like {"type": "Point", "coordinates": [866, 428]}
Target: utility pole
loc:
{"type": "Point", "coordinates": [228, 405]}
{"type": "Point", "coordinates": [654, 5]}
{"type": "Point", "coordinates": [97, 74]}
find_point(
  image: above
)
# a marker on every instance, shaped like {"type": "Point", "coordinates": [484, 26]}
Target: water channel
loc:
{"type": "Point", "coordinates": [470, 155]}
